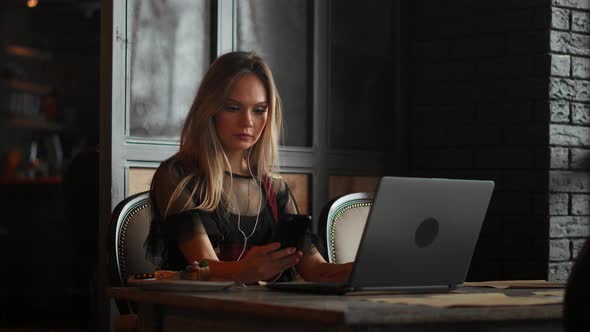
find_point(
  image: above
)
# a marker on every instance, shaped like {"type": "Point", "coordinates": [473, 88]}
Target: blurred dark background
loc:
{"type": "Point", "coordinates": [49, 88]}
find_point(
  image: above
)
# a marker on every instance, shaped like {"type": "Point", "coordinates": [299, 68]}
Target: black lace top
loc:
{"type": "Point", "coordinates": [248, 210]}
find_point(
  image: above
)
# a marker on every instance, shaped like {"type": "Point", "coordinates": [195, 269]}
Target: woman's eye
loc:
{"type": "Point", "coordinates": [232, 108]}
{"type": "Point", "coordinates": [260, 110]}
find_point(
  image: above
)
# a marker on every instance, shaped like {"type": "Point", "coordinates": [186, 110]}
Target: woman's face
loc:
{"type": "Point", "coordinates": [243, 115]}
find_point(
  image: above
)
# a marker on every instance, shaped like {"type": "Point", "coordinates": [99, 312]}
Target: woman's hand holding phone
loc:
{"type": "Point", "coordinates": [267, 261]}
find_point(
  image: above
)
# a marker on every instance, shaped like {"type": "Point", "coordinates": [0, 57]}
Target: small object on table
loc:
{"type": "Point", "coordinates": [166, 274]}
{"type": "Point", "coordinates": [142, 276]}
{"type": "Point", "coordinates": [196, 271]}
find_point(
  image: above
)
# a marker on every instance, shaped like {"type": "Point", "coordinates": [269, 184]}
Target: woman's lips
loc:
{"type": "Point", "coordinates": [244, 137]}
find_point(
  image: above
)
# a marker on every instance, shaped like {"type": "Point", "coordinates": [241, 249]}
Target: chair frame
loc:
{"type": "Point", "coordinates": [337, 208]}
{"type": "Point", "coordinates": [122, 213]}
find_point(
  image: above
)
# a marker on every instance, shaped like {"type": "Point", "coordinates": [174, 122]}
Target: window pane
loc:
{"type": "Point", "coordinates": [139, 179]}
{"type": "Point", "coordinates": [342, 185]}
{"type": "Point", "coordinates": [299, 186]}
{"type": "Point", "coordinates": [361, 73]}
{"type": "Point", "coordinates": [169, 53]}
{"type": "Point", "coordinates": [278, 31]}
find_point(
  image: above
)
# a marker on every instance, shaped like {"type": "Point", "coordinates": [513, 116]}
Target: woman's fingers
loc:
{"type": "Point", "coordinates": [282, 259]}
{"type": "Point", "coordinates": [288, 261]}
{"type": "Point", "coordinates": [267, 248]}
{"type": "Point", "coordinates": [263, 250]}
{"type": "Point", "coordinates": [272, 250]}
{"type": "Point", "coordinates": [266, 261]}
{"type": "Point", "coordinates": [281, 253]}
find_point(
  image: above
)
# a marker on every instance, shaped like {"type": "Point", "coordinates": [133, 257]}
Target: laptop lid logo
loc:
{"type": "Point", "coordinates": [426, 233]}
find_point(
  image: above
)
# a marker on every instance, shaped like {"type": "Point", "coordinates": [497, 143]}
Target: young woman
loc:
{"type": "Point", "coordinates": [220, 198]}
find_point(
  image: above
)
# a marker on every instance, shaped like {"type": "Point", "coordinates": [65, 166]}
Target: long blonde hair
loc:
{"type": "Point", "coordinates": [200, 147]}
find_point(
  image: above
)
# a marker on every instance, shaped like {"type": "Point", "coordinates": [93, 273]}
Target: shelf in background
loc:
{"type": "Point", "coordinates": [33, 123]}
{"type": "Point", "coordinates": [28, 86]}
{"type": "Point", "coordinates": [38, 180]}
{"type": "Point", "coordinates": [27, 52]}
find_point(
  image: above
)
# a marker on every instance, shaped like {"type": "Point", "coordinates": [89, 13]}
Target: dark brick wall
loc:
{"type": "Point", "coordinates": [569, 133]}
{"type": "Point", "coordinates": [478, 108]}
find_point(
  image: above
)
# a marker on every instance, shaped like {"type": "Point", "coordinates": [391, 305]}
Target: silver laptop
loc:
{"type": "Point", "coordinates": [419, 237]}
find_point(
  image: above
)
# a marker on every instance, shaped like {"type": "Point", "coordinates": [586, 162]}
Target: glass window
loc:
{"type": "Point", "coordinates": [278, 31]}
{"type": "Point", "coordinates": [342, 185]}
{"type": "Point", "coordinates": [169, 54]}
{"type": "Point", "coordinates": [139, 179]}
{"type": "Point", "coordinates": [362, 73]}
{"type": "Point", "coordinates": [299, 184]}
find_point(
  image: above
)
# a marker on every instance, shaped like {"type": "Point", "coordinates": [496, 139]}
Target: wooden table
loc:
{"type": "Point", "coordinates": [261, 309]}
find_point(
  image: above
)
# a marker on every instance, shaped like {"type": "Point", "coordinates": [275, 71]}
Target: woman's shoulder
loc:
{"type": "Point", "coordinates": [171, 173]}
{"type": "Point", "coordinates": [278, 183]}
{"type": "Point", "coordinates": [173, 169]}
{"type": "Point", "coordinates": [174, 166]}
{"type": "Point", "coordinates": [279, 187]}
{"type": "Point", "coordinates": [284, 197]}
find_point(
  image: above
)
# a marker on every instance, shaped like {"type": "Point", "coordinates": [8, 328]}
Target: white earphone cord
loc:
{"type": "Point", "coordinates": [257, 214]}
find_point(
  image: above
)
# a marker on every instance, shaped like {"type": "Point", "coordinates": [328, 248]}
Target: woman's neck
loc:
{"type": "Point", "coordinates": [238, 163]}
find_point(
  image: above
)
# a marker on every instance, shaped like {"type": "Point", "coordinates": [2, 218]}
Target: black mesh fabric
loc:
{"type": "Point", "coordinates": [246, 199]}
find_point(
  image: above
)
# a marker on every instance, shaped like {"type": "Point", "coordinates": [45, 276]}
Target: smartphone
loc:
{"type": "Point", "coordinates": [291, 230]}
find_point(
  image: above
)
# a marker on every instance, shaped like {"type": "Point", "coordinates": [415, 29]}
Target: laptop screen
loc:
{"type": "Point", "coordinates": [420, 232]}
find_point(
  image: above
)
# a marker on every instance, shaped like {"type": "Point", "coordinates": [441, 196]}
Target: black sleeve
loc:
{"type": "Point", "coordinates": [165, 182]}
{"type": "Point", "coordinates": [170, 221]}
{"type": "Point", "coordinates": [175, 228]}
{"type": "Point", "coordinates": [181, 226]}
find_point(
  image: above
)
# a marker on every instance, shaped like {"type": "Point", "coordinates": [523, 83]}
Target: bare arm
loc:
{"type": "Point", "coordinates": [261, 263]}
{"type": "Point", "coordinates": [313, 267]}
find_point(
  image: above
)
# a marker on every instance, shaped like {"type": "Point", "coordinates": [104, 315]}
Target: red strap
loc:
{"type": "Point", "coordinates": [272, 198]}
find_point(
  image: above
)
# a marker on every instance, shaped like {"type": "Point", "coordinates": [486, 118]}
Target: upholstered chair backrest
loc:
{"type": "Point", "coordinates": [345, 223]}
{"type": "Point", "coordinates": [130, 226]}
